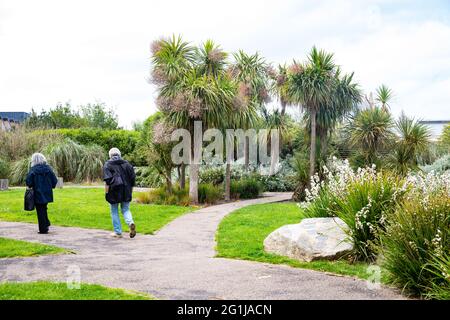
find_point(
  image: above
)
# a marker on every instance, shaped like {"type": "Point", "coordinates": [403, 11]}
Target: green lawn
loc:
{"type": "Point", "coordinates": [59, 291]}
{"type": "Point", "coordinates": [87, 208]}
{"type": "Point", "coordinates": [241, 235]}
{"type": "Point", "coordinates": [10, 248]}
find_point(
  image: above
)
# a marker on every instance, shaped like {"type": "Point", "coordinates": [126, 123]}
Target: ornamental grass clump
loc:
{"type": "Point", "coordinates": [416, 240]}
{"type": "Point", "coordinates": [362, 199]}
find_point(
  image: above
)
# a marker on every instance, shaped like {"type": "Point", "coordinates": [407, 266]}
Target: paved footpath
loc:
{"type": "Point", "coordinates": [176, 263]}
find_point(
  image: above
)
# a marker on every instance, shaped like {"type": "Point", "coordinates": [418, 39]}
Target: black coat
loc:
{"type": "Point", "coordinates": [42, 179]}
{"type": "Point", "coordinates": [119, 175]}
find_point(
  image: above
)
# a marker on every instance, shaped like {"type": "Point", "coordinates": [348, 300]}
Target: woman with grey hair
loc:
{"type": "Point", "coordinates": [42, 180]}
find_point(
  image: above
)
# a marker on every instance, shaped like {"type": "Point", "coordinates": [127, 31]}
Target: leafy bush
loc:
{"type": "Point", "coordinates": [444, 140]}
{"type": "Point", "coordinates": [248, 188]}
{"type": "Point", "coordinates": [91, 164]}
{"type": "Point", "coordinates": [125, 140]}
{"type": "Point", "coordinates": [284, 180]}
{"type": "Point", "coordinates": [362, 199]}
{"type": "Point", "coordinates": [416, 241]}
{"type": "Point", "coordinates": [162, 196]}
{"type": "Point", "coordinates": [19, 143]}
{"type": "Point", "coordinates": [19, 171]}
{"type": "Point", "coordinates": [70, 160]}
{"type": "Point", "coordinates": [440, 287]}
{"type": "Point", "coordinates": [213, 176]}
{"type": "Point", "coordinates": [4, 169]}
{"type": "Point", "coordinates": [300, 165]}
{"type": "Point", "coordinates": [65, 158]}
{"type": "Point", "coordinates": [148, 177]}
{"type": "Point", "coordinates": [209, 193]}
{"type": "Point", "coordinates": [440, 165]}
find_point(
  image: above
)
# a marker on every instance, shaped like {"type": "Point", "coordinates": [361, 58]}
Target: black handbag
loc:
{"type": "Point", "coordinates": [28, 202]}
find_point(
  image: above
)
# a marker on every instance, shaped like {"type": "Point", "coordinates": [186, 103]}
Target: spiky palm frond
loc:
{"type": "Point", "coordinates": [312, 84]}
{"type": "Point", "coordinates": [253, 72]}
{"type": "Point", "coordinates": [172, 60]}
{"type": "Point", "coordinates": [413, 139]}
{"type": "Point", "coordinates": [384, 95]}
{"type": "Point", "coordinates": [210, 59]}
{"type": "Point", "coordinates": [371, 131]}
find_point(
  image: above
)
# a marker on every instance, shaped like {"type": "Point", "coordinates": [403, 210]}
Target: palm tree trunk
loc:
{"type": "Point", "coordinates": [193, 183]}
{"type": "Point", "coordinates": [228, 182]}
{"type": "Point", "coordinates": [283, 107]}
{"type": "Point", "coordinates": [194, 166]}
{"type": "Point", "coordinates": [312, 153]}
{"type": "Point", "coordinates": [323, 137]}
{"type": "Point", "coordinates": [246, 152]}
{"type": "Point", "coordinates": [182, 176]}
{"type": "Point", "coordinates": [168, 184]}
{"type": "Point", "coordinates": [283, 112]}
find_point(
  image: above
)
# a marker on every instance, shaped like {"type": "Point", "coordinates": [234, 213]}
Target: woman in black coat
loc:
{"type": "Point", "coordinates": [42, 179]}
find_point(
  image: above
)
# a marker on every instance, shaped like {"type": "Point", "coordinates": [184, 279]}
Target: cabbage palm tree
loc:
{"type": "Point", "coordinates": [281, 88]}
{"type": "Point", "coordinates": [345, 97]}
{"type": "Point", "coordinates": [311, 85]}
{"type": "Point", "coordinates": [371, 131]}
{"type": "Point", "coordinates": [384, 95]}
{"type": "Point", "coordinates": [191, 88]}
{"type": "Point", "coordinates": [252, 76]}
{"type": "Point", "coordinates": [413, 139]}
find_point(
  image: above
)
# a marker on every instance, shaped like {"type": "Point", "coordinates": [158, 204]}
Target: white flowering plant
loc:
{"type": "Point", "coordinates": [415, 244]}
{"type": "Point", "coordinates": [362, 198]}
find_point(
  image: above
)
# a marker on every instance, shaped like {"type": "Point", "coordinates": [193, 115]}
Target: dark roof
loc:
{"type": "Point", "coordinates": [434, 121]}
{"type": "Point", "coordinates": [15, 116]}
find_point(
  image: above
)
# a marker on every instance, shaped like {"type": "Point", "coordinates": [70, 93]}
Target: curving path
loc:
{"type": "Point", "coordinates": [176, 263]}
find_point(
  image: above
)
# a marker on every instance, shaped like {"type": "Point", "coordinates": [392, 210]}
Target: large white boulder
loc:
{"type": "Point", "coordinates": [311, 239]}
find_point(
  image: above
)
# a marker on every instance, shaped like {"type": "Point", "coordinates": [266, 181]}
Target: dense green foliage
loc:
{"type": "Point", "coordinates": [445, 138]}
{"type": "Point", "coordinates": [148, 177]}
{"type": "Point", "coordinates": [440, 165]}
{"type": "Point", "coordinates": [416, 244]}
{"type": "Point", "coordinates": [209, 193]}
{"type": "Point", "coordinates": [4, 169]}
{"type": "Point", "coordinates": [64, 116]}
{"type": "Point", "coordinates": [247, 188]}
{"type": "Point", "coordinates": [162, 196]}
{"type": "Point", "coordinates": [125, 140]}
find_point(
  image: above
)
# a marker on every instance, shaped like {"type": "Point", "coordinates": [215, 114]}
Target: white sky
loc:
{"type": "Point", "coordinates": [83, 51]}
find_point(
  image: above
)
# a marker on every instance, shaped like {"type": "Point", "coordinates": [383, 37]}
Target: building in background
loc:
{"type": "Point", "coordinates": [11, 119]}
{"type": "Point", "coordinates": [436, 127]}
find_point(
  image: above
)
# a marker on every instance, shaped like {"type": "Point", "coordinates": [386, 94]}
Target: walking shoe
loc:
{"type": "Point", "coordinates": [116, 235]}
{"type": "Point", "coordinates": [132, 230]}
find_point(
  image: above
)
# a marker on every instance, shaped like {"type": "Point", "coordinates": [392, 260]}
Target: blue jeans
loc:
{"type": "Point", "coordinates": [125, 207]}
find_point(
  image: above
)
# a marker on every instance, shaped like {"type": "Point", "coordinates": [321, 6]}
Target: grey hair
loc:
{"type": "Point", "coordinates": [38, 158]}
{"type": "Point", "coordinates": [114, 152]}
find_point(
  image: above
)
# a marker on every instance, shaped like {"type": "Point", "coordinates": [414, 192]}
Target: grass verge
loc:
{"type": "Point", "coordinates": [44, 290]}
{"type": "Point", "coordinates": [241, 235]}
{"type": "Point", "coordinates": [10, 248]}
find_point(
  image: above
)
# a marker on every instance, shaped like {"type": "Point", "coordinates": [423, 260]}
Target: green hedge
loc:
{"type": "Point", "coordinates": [125, 140]}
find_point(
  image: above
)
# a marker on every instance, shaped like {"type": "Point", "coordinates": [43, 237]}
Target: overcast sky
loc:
{"type": "Point", "coordinates": [85, 51]}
